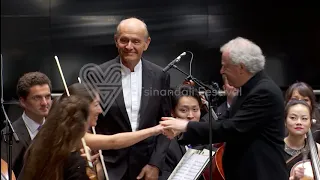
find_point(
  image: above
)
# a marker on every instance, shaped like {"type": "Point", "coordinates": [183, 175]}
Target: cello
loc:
{"type": "Point", "coordinates": [4, 171]}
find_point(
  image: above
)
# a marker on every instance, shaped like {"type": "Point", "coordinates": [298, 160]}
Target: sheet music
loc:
{"type": "Point", "coordinates": [191, 165]}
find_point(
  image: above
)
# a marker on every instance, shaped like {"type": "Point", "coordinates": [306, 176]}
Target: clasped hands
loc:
{"type": "Point", "coordinates": [172, 127]}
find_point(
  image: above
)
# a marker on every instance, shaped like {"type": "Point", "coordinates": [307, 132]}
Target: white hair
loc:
{"type": "Point", "coordinates": [244, 51]}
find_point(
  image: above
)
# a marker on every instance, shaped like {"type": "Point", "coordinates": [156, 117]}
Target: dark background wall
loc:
{"type": "Point", "coordinates": [80, 32]}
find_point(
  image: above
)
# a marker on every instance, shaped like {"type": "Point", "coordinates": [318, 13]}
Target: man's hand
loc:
{"type": "Point", "coordinates": [173, 127]}
{"type": "Point", "coordinates": [149, 172]}
{"type": "Point", "coordinates": [169, 133]}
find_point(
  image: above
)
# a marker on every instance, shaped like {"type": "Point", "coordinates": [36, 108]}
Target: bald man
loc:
{"type": "Point", "coordinates": [143, 100]}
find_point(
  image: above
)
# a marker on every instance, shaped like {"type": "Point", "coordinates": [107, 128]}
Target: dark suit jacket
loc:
{"type": "Point", "coordinates": [174, 155]}
{"type": "Point", "coordinates": [253, 134]}
{"type": "Point", "coordinates": [154, 105]}
{"type": "Point", "coordinates": [18, 148]}
{"type": "Point", "coordinates": [222, 108]}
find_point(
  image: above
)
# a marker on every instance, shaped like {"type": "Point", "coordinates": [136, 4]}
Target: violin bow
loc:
{"type": "Point", "coordinates": [67, 91]}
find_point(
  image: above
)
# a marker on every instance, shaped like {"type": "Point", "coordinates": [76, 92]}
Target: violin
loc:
{"type": "Point", "coordinates": [4, 171]}
{"type": "Point", "coordinates": [311, 166]}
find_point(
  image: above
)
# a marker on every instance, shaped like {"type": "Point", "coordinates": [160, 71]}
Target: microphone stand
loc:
{"type": "Point", "coordinates": [9, 130]}
{"type": "Point", "coordinates": [9, 133]}
{"type": "Point", "coordinates": [210, 96]}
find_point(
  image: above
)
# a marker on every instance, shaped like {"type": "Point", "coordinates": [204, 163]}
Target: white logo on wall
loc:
{"type": "Point", "coordinates": [107, 82]}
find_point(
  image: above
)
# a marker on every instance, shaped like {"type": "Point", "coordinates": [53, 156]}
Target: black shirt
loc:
{"type": "Point", "coordinates": [75, 167]}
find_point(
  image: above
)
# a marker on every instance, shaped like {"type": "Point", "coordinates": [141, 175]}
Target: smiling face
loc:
{"type": "Point", "coordinates": [132, 40]}
{"type": "Point", "coordinates": [298, 120]}
{"type": "Point", "coordinates": [94, 111]}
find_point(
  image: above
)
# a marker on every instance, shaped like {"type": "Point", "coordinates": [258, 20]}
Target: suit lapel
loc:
{"type": "Point", "coordinates": [147, 76]}
{"type": "Point", "coordinates": [122, 107]}
{"type": "Point", "coordinates": [22, 132]}
{"type": "Point", "coordinates": [183, 150]}
{"type": "Point", "coordinates": [120, 100]}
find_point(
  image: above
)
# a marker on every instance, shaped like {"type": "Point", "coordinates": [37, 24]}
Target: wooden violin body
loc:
{"type": "Point", "coordinates": [217, 169]}
{"type": "Point", "coordinates": [91, 173]}
{"type": "Point", "coordinates": [311, 166]}
{"type": "Point", "coordinates": [4, 171]}
{"type": "Point", "coordinates": [308, 172]}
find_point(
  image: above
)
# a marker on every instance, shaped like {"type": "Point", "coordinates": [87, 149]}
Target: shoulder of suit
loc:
{"type": "Point", "coordinates": [269, 85]}
{"type": "Point", "coordinates": [156, 68]}
{"type": "Point", "coordinates": [268, 88]}
{"type": "Point", "coordinates": [16, 124]}
{"type": "Point", "coordinates": [109, 63]}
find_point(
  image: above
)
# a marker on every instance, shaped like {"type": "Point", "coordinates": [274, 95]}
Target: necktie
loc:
{"type": "Point", "coordinates": [39, 127]}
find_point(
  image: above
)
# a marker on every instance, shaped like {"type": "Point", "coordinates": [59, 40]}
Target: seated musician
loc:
{"type": "Point", "coordinates": [303, 91]}
{"type": "Point", "coordinates": [34, 93]}
{"type": "Point", "coordinates": [186, 103]}
{"type": "Point", "coordinates": [298, 122]}
{"type": "Point", "coordinates": [55, 151]}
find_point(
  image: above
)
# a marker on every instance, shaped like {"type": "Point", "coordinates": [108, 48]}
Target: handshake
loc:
{"type": "Point", "coordinates": [171, 127]}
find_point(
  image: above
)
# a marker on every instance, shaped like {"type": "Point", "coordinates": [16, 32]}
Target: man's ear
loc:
{"type": "Point", "coordinates": [147, 43]}
{"type": "Point", "coordinates": [242, 68]}
{"type": "Point", "coordinates": [22, 102]}
{"type": "Point", "coordinates": [115, 40]}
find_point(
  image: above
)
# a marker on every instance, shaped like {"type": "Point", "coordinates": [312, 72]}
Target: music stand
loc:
{"type": "Point", "coordinates": [210, 93]}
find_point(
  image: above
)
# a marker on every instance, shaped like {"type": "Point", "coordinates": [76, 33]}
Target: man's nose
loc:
{"type": "Point", "coordinates": [190, 115]}
{"type": "Point", "coordinates": [44, 101]}
{"type": "Point", "coordinates": [129, 45]}
{"type": "Point", "coordinates": [221, 71]}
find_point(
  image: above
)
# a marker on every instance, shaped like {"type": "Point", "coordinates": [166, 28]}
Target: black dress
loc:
{"type": "Point", "coordinates": [75, 167]}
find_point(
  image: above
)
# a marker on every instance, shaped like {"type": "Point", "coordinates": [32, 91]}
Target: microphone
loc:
{"type": "Point", "coordinates": [169, 66]}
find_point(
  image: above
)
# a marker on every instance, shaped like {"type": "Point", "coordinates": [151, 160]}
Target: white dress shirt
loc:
{"type": "Point", "coordinates": [132, 87]}
{"type": "Point", "coordinates": [31, 125]}
{"type": "Point", "coordinates": [228, 105]}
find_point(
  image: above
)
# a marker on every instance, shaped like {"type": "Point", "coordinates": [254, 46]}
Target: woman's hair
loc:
{"type": "Point", "coordinates": [304, 90]}
{"type": "Point", "coordinates": [59, 136]}
{"type": "Point", "coordinates": [183, 91]}
{"type": "Point", "coordinates": [81, 90]}
{"type": "Point", "coordinates": [294, 102]}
